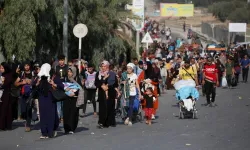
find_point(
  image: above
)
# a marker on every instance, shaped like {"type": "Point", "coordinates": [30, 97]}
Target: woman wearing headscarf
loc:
{"type": "Point", "coordinates": [15, 90]}
{"type": "Point", "coordinates": [154, 80]}
{"type": "Point", "coordinates": [132, 89]}
{"type": "Point", "coordinates": [49, 120]}
{"type": "Point", "coordinates": [157, 74]}
{"type": "Point", "coordinates": [107, 83]}
{"type": "Point", "coordinates": [70, 111]}
{"type": "Point", "coordinates": [6, 104]}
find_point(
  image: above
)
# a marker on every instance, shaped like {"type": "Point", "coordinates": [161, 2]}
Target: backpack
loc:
{"type": "Point", "coordinates": [90, 80]}
{"type": "Point", "coordinates": [26, 89]}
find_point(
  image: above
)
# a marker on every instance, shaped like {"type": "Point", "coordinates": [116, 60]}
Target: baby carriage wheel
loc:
{"type": "Point", "coordinates": [194, 114]}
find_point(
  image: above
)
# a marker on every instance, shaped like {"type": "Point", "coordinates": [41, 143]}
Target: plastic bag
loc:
{"type": "Point", "coordinates": [184, 83]}
{"type": "Point", "coordinates": [224, 82]}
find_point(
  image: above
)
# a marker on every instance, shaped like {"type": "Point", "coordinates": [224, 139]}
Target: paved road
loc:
{"type": "Point", "coordinates": [225, 127]}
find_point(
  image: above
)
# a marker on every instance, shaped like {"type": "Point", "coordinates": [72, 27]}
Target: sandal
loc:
{"type": "Point", "coordinates": [100, 126]}
{"type": "Point", "coordinates": [43, 137]}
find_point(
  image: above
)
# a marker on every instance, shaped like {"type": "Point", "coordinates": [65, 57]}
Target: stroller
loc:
{"type": "Point", "coordinates": [187, 95]}
{"type": "Point", "coordinates": [122, 108]}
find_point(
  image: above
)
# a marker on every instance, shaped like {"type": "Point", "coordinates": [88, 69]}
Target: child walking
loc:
{"type": "Point", "coordinates": [150, 99]}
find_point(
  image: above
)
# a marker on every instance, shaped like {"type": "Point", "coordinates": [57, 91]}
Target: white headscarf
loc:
{"type": "Point", "coordinates": [45, 70]}
{"type": "Point", "coordinates": [131, 65]}
{"type": "Point", "coordinates": [106, 63]}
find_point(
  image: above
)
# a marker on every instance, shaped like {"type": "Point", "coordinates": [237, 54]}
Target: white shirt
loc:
{"type": "Point", "coordinates": [132, 84]}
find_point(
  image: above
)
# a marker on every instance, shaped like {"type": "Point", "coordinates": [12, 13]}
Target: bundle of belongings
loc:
{"type": "Point", "coordinates": [186, 92]}
{"type": "Point", "coordinates": [73, 88]}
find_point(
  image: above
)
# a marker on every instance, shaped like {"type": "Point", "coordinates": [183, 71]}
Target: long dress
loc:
{"type": "Point", "coordinates": [49, 120]}
{"type": "Point", "coordinates": [14, 100]}
{"type": "Point", "coordinates": [70, 113]}
{"type": "Point", "coordinates": [154, 77]}
{"type": "Point", "coordinates": [107, 106]}
{"type": "Point", "coordinates": [6, 104]}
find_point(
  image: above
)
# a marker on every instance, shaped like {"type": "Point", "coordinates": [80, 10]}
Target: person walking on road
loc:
{"type": "Point", "coordinates": [187, 72]}
{"type": "Point", "coordinates": [5, 105]}
{"type": "Point", "coordinates": [61, 71]}
{"type": "Point", "coordinates": [88, 81]}
{"type": "Point", "coordinates": [70, 111]}
{"type": "Point", "coordinates": [49, 120]}
{"type": "Point", "coordinates": [245, 63]}
{"type": "Point", "coordinates": [106, 81]}
{"type": "Point", "coordinates": [210, 81]}
{"type": "Point", "coordinates": [229, 71]}
{"type": "Point", "coordinates": [131, 80]}
{"type": "Point", "coordinates": [26, 112]}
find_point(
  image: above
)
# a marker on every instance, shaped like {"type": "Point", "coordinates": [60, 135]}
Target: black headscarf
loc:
{"type": "Point", "coordinates": [7, 68]}
{"type": "Point", "coordinates": [149, 70]}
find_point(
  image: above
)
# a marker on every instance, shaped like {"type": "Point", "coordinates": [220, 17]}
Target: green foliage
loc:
{"type": "Point", "coordinates": [18, 27]}
{"type": "Point", "coordinates": [32, 27]}
{"type": "Point", "coordinates": [240, 15]}
{"type": "Point", "coordinates": [234, 10]}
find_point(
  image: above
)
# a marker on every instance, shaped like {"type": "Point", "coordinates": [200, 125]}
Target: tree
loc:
{"type": "Point", "coordinates": [18, 27]}
{"type": "Point", "coordinates": [233, 10]}
{"type": "Point", "coordinates": [29, 27]}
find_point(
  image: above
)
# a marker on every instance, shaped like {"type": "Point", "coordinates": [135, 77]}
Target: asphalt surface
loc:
{"type": "Point", "coordinates": [224, 127]}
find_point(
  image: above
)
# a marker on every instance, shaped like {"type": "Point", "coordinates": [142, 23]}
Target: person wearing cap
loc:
{"type": "Point", "coordinates": [187, 72]}
{"type": "Point", "coordinates": [132, 88]}
{"type": "Point", "coordinates": [210, 81]}
{"type": "Point", "coordinates": [107, 83]}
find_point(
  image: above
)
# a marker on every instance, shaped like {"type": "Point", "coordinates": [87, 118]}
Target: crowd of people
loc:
{"type": "Point", "coordinates": [55, 92]}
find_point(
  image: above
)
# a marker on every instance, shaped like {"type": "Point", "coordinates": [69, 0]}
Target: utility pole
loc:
{"type": "Point", "coordinates": [65, 30]}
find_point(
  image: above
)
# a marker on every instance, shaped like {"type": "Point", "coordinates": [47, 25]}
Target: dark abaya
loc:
{"type": "Point", "coordinates": [107, 106]}
{"type": "Point", "coordinates": [6, 104]}
{"type": "Point", "coordinates": [15, 99]}
{"type": "Point", "coordinates": [49, 120]}
{"type": "Point", "coordinates": [70, 113]}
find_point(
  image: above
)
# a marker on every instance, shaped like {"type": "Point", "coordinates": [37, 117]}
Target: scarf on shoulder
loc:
{"type": "Point", "coordinates": [102, 73]}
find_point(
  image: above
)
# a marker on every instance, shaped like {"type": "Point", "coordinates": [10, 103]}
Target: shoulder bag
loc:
{"type": "Point", "coordinates": [58, 94]}
{"type": "Point", "coordinates": [189, 73]}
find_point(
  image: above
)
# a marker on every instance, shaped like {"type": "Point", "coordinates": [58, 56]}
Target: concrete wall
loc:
{"type": "Point", "coordinates": [221, 33]}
